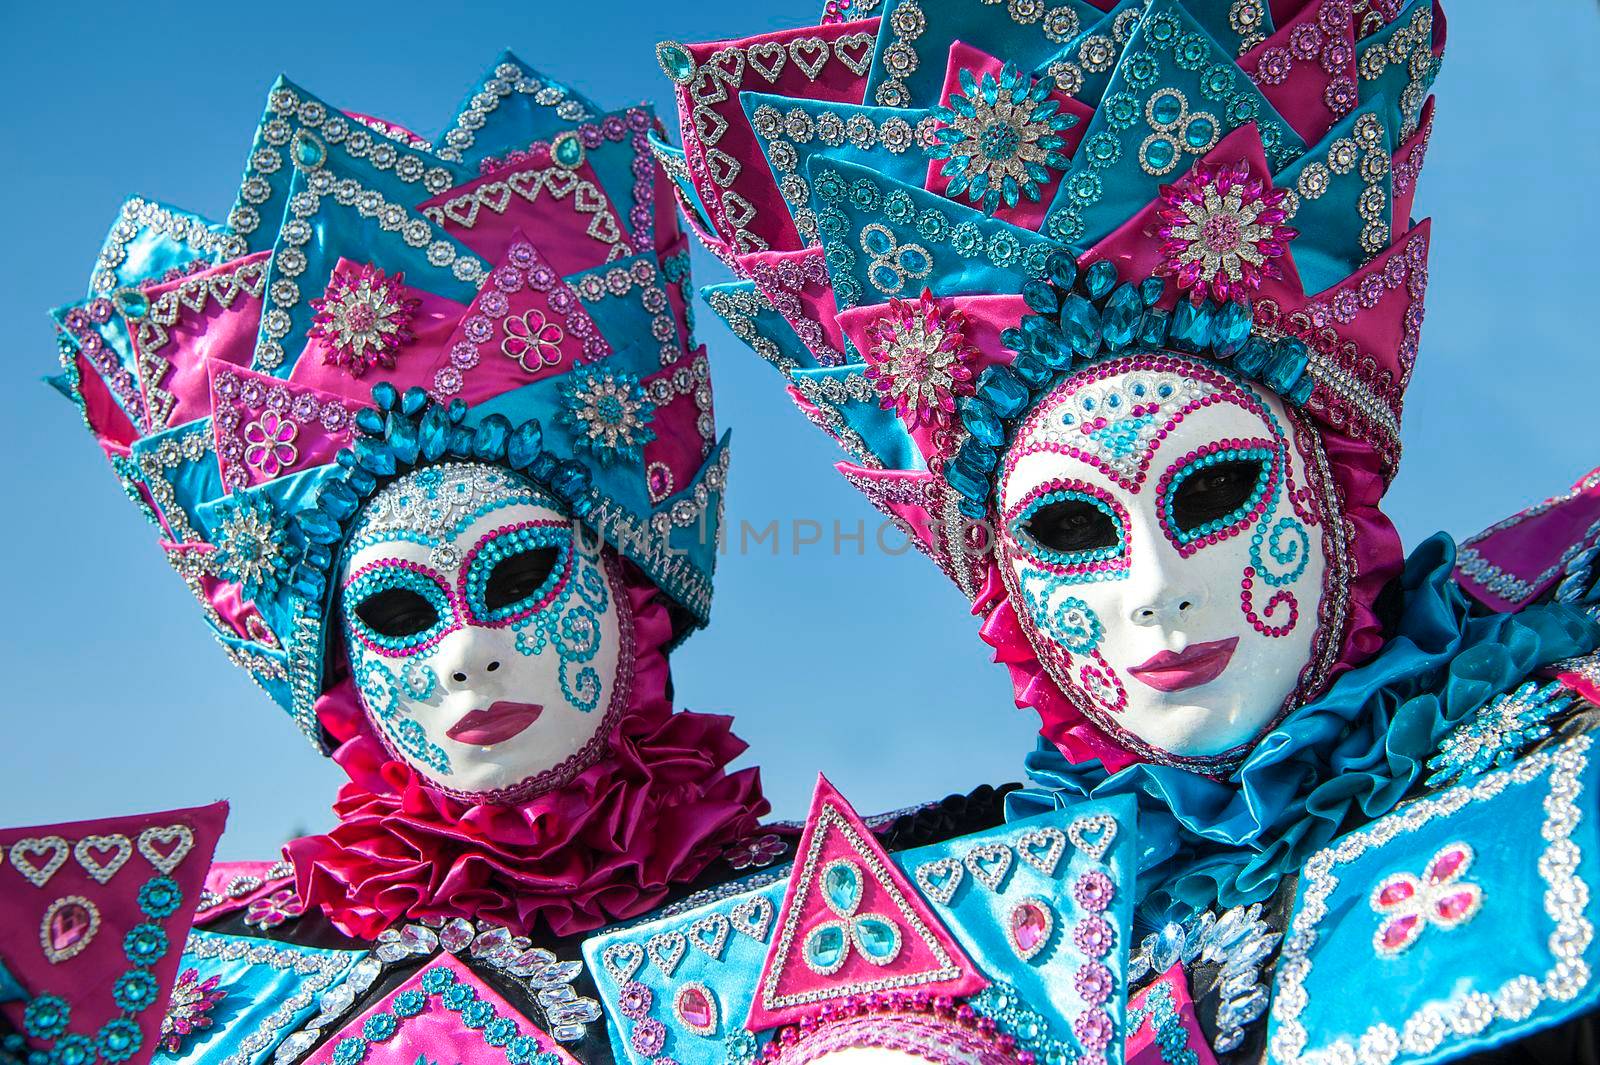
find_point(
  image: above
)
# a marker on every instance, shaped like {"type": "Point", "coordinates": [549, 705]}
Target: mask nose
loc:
{"type": "Point", "coordinates": [465, 662]}
{"type": "Point", "coordinates": [1163, 591]}
{"type": "Point", "coordinates": [1171, 608]}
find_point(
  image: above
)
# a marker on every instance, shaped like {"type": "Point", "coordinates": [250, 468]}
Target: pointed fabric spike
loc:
{"type": "Point", "coordinates": [910, 499]}
{"type": "Point", "coordinates": [265, 428]}
{"type": "Point", "coordinates": [822, 63]}
{"type": "Point", "coordinates": [1138, 256]}
{"type": "Point", "coordinates": [1409, 46]}
{"type": "Point", "coordinates": [1097, 37]}
{"type": "Point", "coordinates": [149, 239]}
{"type": "Point", "coordinates": [511, 106]}
{"type": "Point", "coordinates": [968, 252]}
{"type": "Point", "coordinates": [1311, 94]}
{"type": "Point", "coordinates": [324, 231]}
{"type": "Point", "coordinates": [881, 138]}
{"type": "Point", "coordinates": [190, 325]}
{"type": "Point", "coordinates": [986, 26]}
{"type": "Point", "coordinates": [1515, 560]}
{"type": "Point", "coordinates": [299, 132]}
{"type": "Point", "coordinates": [582, 227]}
{"type": "Point", "coordinates": [108, 897]}
{"type": "Point", "coordinates": [1342, 189]}
{"type": "Point", "coordinates": [1408, 168]}
{"type": "Point", "coordinates": [1192, 102]}
{"type": "Point", "coordinates": [851, 924]}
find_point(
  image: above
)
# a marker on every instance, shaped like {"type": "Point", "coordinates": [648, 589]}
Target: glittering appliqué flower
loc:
{"type": "Point", "coordinates": [533, 340]}
{"type": "Point", "coordinates": [273, 910]}
{"type": "Point", "coordinates": [919, 360]}
{"type": "Point", "coordinates": [269, 444]}
{"type": "Point", "coordinates": [1222, 231]}
{"type": "Point", "coordinates": [609, 414]}
{"type": "Point", "coordinates": [364, 318]}
{"type": "Point", "coordinates": [1002, 138]}
{"type": "Point", "coordinates": [253, 546]}
{"type": "Point", "coordinates": [1491, 736]}
{"type": "Point", "coordinates": [756, 852]}
{"type": "Point", "coordinates": [189, 1008]}
{"type": "Point", "coordinates": [1440, 897]}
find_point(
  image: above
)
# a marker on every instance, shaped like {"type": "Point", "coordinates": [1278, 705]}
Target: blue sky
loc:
{"type": "Point", "coordinates": [865, 666]}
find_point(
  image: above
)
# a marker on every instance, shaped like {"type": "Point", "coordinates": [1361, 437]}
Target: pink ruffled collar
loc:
{"type": "Point", "coordinates": [606, 846]}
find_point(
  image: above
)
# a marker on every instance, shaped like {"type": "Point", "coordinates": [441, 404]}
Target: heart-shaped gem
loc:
{"type": "Point", "coordinates": [1028, 927]}
{"type": "Point", "coordinates": [722, 167]}
{"type": "Point", "coordinates": [939, 879]}
{"type": "Point", "coordinates": [38, 859]}
{"type": "Point", "coordinates": [767, 59]}
{"type": "Point", "coordinates": [68, 927]}
{"type": "Point", "coordinates": [102, 856]}
{"type": "Point", "coordinates": [1093, 835]}
{"type": "Point", "coordinates": [989, 864]}
{"type": "Point", "coordinates": [166, 847]}
{"type": "Point", "coordinates": [710, 934]}
{"type": "Point", "coordinates": [753, 917]}
{"type": "Point", "coordinates": [727, 64]}
{"type": "Point", "coordinates": [696, 1008]}
{"type": "Point", "coordinates": [1042, 848]}
{"type": "Point", "coordinates": [809, 54]}
{"type": "Point", "coordinates": [666, 950]}
{"type": "Point", "coordinates": [622, 960]}
{"type": "Point", "coordinates": [855, 51]}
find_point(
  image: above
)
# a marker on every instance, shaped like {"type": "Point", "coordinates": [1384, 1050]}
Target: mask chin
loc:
{"type": "Point", "coordinates": [489, 636]}
{"type": "Point", "coordinates": [1172, 547]}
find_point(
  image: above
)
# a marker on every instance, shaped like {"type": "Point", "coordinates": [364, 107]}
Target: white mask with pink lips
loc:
{"type": "Point", "coordinates": [488, 634]}
{"type": "Point", "coordinates": [1170, 539]}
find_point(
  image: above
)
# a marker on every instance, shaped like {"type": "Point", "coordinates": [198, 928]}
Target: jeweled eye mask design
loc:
{"type": "Point", "coordinates": [1158, 547]}
{"type": "Point", "coordinates": [485, 633]}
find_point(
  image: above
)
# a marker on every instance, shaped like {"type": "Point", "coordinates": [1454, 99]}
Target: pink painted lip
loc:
{"type": "Point", "coordinates": [1197, 664]}
{"type": "Point", "coordinates": [503, 720]}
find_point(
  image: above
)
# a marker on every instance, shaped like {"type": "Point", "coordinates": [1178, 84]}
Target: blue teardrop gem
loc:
{"type": "Point", "coordinates": [842, 884]}
{"type": "Point", "coordinates": [1080, 324]}
{"type": "Point", "coordinates": [1041, 297]}
{"type": "Point", "coordinates": [1191, 326]}
{"type": "Point", "coordinates": [525, 444]}
{"type": "Point", "coordinates": [1063, 269]}
{"type": "Point", "coordinates": [1003, 390]}
{"type": "Point", "coordinates": [490, 443]}
{"type": "Point", "coordinates": [413, 401]}
{"type": "Point", "coordinates": [825, 947]}
{"type": "Point", "coordinates": [1123, 312]}
{"type": "Point", "coordinates": [980, 420]}
{"type": "Point", "coordinates": [374, 455]}
{"type": "Point", "coordinates": [435, 433]}
{"type": "Point", "coordinates": [401, 433]}
{"type": "Point", "coordinates": [1100, 278]}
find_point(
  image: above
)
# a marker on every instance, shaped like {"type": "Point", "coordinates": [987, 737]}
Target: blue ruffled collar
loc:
{"type": "Point", "coordinates": [1336, 762]}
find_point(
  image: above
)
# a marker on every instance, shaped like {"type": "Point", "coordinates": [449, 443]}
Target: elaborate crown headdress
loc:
{"type": "Point", "coordinates": [516, 293]}
{"type": "Point", "coordinates": [1062, 180]}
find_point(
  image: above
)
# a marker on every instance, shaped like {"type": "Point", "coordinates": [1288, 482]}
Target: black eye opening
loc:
{"type": "Point", "coordinates": [1072, 526]}
{"type": "Point", "coordinates": [1216, 493]}
{"type": "Point", "coordinates": [397, 613]}
{"type": "Point", "coordinates": [518, 576]}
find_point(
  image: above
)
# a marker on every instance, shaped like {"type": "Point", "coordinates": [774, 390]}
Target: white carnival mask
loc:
{"type": "Point", "coordinates": [488, 636]}
{"type": "Point", "coordinates": [1165, 539]}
